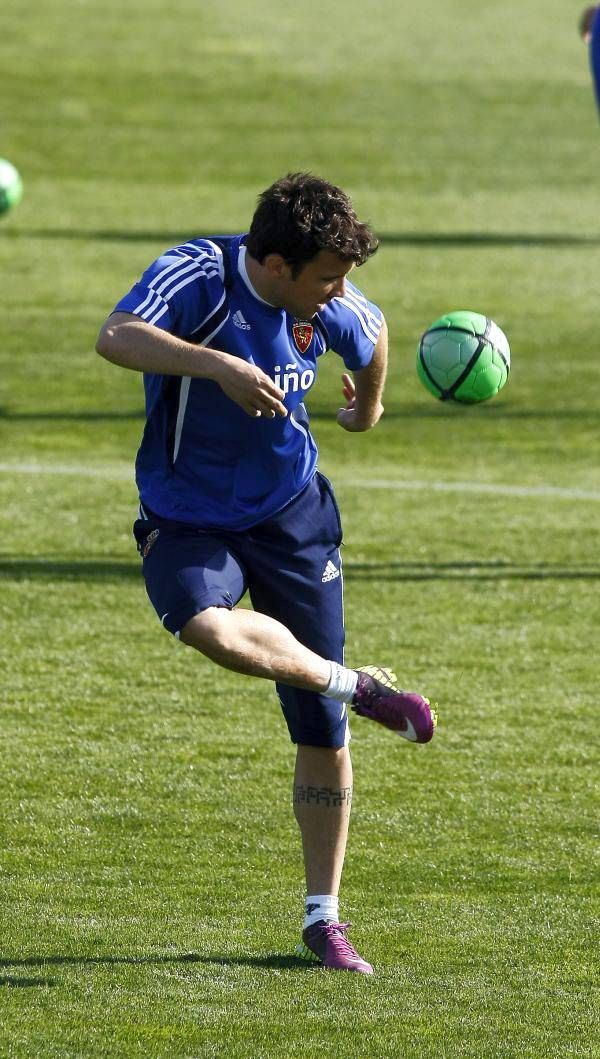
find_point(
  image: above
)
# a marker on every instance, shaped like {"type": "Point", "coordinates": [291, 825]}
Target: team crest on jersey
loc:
{"type": "Point", "coordinates": [303, 336]}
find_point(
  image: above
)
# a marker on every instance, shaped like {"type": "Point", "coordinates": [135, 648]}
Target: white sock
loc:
{"type": "Point", "coordinates": [342, 683]}
{"type": "Point", "coordinates": [320, 906]}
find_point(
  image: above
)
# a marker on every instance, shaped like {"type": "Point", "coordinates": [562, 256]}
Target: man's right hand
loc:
{"type": "Point", "coordinates": [248, 386]}
{"type": "Point", "coordinates": [132, 343]}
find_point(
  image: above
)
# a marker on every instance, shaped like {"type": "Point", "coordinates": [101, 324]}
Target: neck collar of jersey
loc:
{"type": "Point", "coordinates": [243, 271]}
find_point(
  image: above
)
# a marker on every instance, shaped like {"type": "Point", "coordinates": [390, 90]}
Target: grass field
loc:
{"type": "Point", "coordinates": [151, 877]}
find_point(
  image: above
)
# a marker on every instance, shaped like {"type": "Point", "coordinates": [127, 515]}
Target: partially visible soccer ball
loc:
{"type": "Point", "coordinates": [463, 357]}
{"type": "Point", "coordinates": [11, 186]}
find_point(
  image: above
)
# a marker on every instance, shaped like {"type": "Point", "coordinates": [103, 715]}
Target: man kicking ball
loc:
{"type": "Point", "coordinates": [228, 332]}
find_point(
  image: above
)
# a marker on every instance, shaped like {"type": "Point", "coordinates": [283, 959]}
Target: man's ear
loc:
{"type": "Point", "coordinates": [276, 266]}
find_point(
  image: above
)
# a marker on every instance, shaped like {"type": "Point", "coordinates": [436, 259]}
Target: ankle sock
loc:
{"type": "Point", "coordinates": [342, 683]}
{"type": "Point", "coordinates": [320, 906]}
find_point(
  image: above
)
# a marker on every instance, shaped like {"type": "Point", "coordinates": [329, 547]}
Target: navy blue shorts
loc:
{"type": "Point", "coordinates": [290, 565]}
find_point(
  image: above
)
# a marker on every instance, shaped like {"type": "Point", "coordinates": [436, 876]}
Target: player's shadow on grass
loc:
{"type": "Point", "coordinates": [273, 961]}
{"type": "Point", "coordinates": [424, 239]}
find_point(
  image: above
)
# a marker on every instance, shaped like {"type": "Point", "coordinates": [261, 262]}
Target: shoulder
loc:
{"type": "Point", "coordinates": [196, 269]}
{"type": "Point", "coordinates": [197, 259]}
{"type": "Point", "coordinates": [183, 287]}
{"type": "Point", "coordinates": [353, 313]}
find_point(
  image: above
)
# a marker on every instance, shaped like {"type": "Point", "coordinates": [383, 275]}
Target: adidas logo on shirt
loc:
{"type": "Point", "coordinates": [239, 321]}
{"type": "Point", "coordinates": [330, 572]}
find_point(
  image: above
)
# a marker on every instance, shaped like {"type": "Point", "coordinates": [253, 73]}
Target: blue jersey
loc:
{"type": "Point", "coordinates": [595, 53]}
{"type": "Point", "coordinates": [202, 459]}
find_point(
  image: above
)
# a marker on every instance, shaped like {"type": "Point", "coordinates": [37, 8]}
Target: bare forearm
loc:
{"type": "Point", "coordinates": [132, 343]}
{"type": "Point", "coordinates": [364, 391]}
{"type": "Point", "coordinates": [370, 382]}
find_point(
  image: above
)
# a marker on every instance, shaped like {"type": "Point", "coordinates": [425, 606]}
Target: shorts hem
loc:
{"type": "Point", "coordinates": [333, 741]}
{"type": "Point", "coordinates": [174, 621]}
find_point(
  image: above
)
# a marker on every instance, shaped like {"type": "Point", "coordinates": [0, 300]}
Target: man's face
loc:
{"type": "Point", "coordinates": [319, 280]}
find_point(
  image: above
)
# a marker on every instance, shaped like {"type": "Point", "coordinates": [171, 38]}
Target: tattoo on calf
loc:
{"type": "Point", "coordinates": [325, 796]}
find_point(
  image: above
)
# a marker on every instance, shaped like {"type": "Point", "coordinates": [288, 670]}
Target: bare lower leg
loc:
{"type": "Point", "coordinates": [322, 800]}
{"type": "Point", "coordinates": [252, 643]}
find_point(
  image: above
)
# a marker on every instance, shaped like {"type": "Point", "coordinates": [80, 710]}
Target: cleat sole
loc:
{"type": "Point", "coordinates": [304, 953]}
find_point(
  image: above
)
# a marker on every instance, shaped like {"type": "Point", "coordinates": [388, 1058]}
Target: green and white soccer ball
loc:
{"type": "Point", "coordinates": [11, 186]}
{"type": "Point", "coordinates": [463, 357]}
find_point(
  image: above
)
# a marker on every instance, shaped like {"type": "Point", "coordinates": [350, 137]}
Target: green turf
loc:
{"type": "Point", "coordinates": [151, 878]}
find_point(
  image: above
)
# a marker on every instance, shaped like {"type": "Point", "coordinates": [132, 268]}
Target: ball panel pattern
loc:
{"type": "Point", "coordinates": [463, 357]}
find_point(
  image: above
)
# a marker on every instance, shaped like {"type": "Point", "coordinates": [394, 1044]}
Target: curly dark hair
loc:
{"type": "Point", "coordinates": [585, 20]}
{"type": "Point", "coordinates": [302, 214]}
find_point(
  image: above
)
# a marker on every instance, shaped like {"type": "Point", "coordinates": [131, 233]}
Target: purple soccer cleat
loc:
{"type": "Point", "coordinates": [404, 712]}
{"type": "Point", "coordinates": [326, 944]}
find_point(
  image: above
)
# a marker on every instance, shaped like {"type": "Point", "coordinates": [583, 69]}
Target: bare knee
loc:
{"type": "Point", "coordinates": [207, 631]}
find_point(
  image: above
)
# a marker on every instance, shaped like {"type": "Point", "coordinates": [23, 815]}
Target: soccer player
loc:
{"type": "Point", "coordinates": [228, 332]}
{"type": "Point", "coordinates": [589, 27]}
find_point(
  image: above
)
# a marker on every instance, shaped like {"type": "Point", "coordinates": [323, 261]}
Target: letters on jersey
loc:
{"type": "Point", "coordinates": [202, 459]}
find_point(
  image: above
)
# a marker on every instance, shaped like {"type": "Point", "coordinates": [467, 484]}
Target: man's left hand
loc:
{"type": "Point", "coordinates": [352, 418]}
